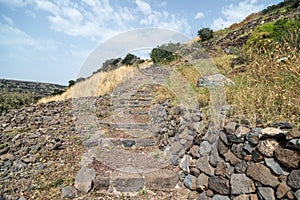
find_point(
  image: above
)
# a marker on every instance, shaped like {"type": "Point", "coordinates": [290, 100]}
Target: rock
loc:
{"type": "Point", "coordinates": [214, 157]}
{"type": "Point", "coordinates": [203, 196]}
{"type": "Point", "coordinates": [205, 148]}
{"type": "Point", "coordinates": [193, 195]}
{"type": "Point", "coordinates": [174, 160]}
{"type": "Point", "coordinates": [253, 139]}
{"type": "Point", "coordinates": [242, 197]}
{"type": "Point", "coordinates": [220, 197]}
{"type": "Point", "coordinates": [229, 156]}
{"type": "Point", "coordinates": [202, 182]}
{"type": "Point", "coordinates": [204, 165]}
{"type": "Point", "coordinates": [293, 179]}
{"type": "Point", "coordinates": [194, 151]}
{"type": "Point", "coordinates": [129, 182]}
{"type": "Point", "coordinates": [101, 182]}
{"type": "Point", "coordinates": [241, 166]}
{"type": "Point", "coordinates": [214, 80]}
{"type": "Point", "coordinates": [176, 147]}
{"type": "Point", "coordinates": [219, 184]}
{"type": "Point", "coordinates": [290, 195]}
{"type": "Point", "coordinates": [161, 180]}
{"type": "Point", "coordinates": [29, 159]}
{"type": "Point", "coordinates": [267, 147]}
{"type": "Point", "coordinates": [282, 125]}
{"type": "Point", "coordinates": [195, 171]}
{"type": "Point", "coordinates": [230, 127]}
{"type": "Point", "coordinates": [235, 139]}
{"type": "Point", "coordinates": [297, 194]}
{"type": "Point", "coordinates": [128, 143]}
{"type": "Point", "coordinates": [241, 184]}
{"type": "Point", "coordinates": [18, 165]}
{"type": "Point", "coordinates": [288, 158]}
{"type": "Point", "coordinates": [294, 133]}
{"type": "Point", "coordinates": [68, 192]}
{"type": "Point", "coordinates": [271, 132]}
{"type": "Point", "coordinates": [241, 131]}
{"type": "Point", "coordinates": [184, 164]}
{"type": "Point", "coordinates": [84, 179]}
{"type": "Point", "coordinates": [223, 137]}
{"type": "Point", "coordinates": [294, 144]}
{"type": "Point", "coordinates": [190, 182]}
{"type": "Point", "coordinates": [256, 156]}
{"type": "Point", "coordinates": [282, 189]}
{"type": "Point", "coordinates": [236, 149]}
{"type": "Point", "coordinates": [221, 169]}
{"type": "Point", "coordinates": [275, 166]}
{"type": "Point", "coordinates": [266, 193]}
{"type": "Point", "coordinates": [253, 197]}
{"type": "Point", "coordinates": [262, 174]}
{"type": "Point", "coordinates": [222, 148]}
{"type": "Point", "coordinates": [247, 148]}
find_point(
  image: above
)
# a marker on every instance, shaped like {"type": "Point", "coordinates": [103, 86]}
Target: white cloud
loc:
{"type": "Point", "coordinates": [199, 15]}
{"type": "Point", "coordinates": [144, 7]}
{"type": "Point", "coordinates": [233, 13]}
{"type": "Point", "coordinates": [47, 6]}
{"type": "Point", "coordinates": [14, 3]}
{"type": "Point", "coordinates": [8, 20]}
{"type": "Point", "coordinates": [100, 20]}
{"type": "Point", "coordinates": [13, 37]}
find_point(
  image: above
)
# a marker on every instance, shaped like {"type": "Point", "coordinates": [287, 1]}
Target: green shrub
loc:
{"type": "Point", "coordinates": [11, 100]}
{"type": "Point", "coordinates": [205, 34]}
{"type": "Point", "coordinates": [129, 59]}
{"type": "Point", "coordinates": [165, 53]}
{"type": "Point", "coordinates": [266, 37]}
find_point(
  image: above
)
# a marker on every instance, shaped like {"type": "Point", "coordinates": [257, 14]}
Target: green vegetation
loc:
{"type": "Point", "coordinates": [267, 89]}
{"type": "Point", "coordinates": [205, 34]}
{"type": "Point", "coordinates": [71, 82]}
{"type": "Point", "coordinates": [129, 59]}
{"type": "Point", "coordinates": [13, 100]}
{"type": "Point", "coordinates": [283, 32]}
{"type": "Point", "coordinates": [165, 53]}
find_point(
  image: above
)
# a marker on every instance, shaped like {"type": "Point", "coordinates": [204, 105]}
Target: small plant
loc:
{"type": "Point", "coordinates": [144, 192]}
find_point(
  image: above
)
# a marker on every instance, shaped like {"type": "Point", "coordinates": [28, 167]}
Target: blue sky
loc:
{"type": "Point", "coordinates": [49, 40]}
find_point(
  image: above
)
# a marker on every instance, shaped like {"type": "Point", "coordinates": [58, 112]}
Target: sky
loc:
{"type": "Point", "coordinates": [50, 40]}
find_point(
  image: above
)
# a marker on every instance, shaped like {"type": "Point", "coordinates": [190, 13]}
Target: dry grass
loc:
{"type": "Point", "coordinates": [269, 90]}
{"type": "Point", "coordinates": [98, 84]}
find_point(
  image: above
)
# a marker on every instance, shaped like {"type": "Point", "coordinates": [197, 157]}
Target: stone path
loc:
{"type": "Point", "coordinates": [124, 142]}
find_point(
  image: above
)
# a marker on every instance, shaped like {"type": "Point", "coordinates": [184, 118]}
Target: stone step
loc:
{"type": "Point", "coordinates": [130, 160]}
{"type": "Point", "coordinates": [129, 133]}
{"type": "Point", "coordinates": [127, 142]}
{"type": "Point", "coordinates": [143, 106]}
{"type": "Point", "coordinates": [125, 126]}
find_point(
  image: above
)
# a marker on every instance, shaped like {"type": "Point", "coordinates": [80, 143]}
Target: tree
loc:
{"type": "Point", "coordinates": [165, 53]}
{"type": "Point", "coordinates": [205, 34]}
{"type": "Point", "coordinates": [71, 82]}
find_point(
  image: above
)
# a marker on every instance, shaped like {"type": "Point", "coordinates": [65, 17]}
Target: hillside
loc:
{"type": "Point", "coordinates": [39, 89]}
{"type": "Point", "coordinates": [217, 120]}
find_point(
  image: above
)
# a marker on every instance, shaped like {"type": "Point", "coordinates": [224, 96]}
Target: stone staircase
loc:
{"type": "Point", "coordinates": [123, 155]}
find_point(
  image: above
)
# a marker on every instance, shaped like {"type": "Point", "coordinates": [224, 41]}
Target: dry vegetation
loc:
{"type": "Point", "coordinates": [99, 84]}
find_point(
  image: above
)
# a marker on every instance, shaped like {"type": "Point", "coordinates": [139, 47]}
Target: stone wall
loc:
{"type": "Point", "coordinates": [236, 162]}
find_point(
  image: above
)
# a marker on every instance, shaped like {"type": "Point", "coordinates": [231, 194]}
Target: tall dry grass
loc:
{"type": "Point", "coordinates": [98, 84]}
{"type": "Point", "coordinates": [269, 90]}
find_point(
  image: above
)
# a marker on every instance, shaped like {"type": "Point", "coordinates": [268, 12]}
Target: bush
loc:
{"type": "Point", "coordinates": [165, 53]}
{"type": "Point", "coordinates": [71, 82]}
{"type": "Point", "coordinates": [205, 34]}
{"type": "Point", "coordinates": [129, 59]}
{"type": "Point", "coordinates": [11, 100]}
